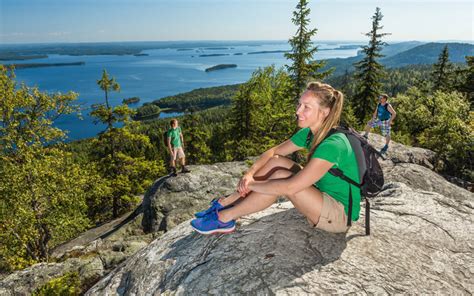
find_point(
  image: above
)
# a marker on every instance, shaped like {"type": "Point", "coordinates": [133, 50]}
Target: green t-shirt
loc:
{"type": "Point", "coordinates": [335, 149]}
{"type": "Point", "coordinates": [174, 134]}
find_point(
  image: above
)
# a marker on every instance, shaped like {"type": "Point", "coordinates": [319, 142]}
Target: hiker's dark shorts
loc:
{"type": "Point", "coordinates": [333, 217]}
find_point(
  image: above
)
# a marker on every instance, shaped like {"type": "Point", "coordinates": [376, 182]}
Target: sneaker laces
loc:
{"type": "Point", "coordinates": [212, 215]}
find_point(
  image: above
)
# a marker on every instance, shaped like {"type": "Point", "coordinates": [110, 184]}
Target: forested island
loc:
{"type": "Point", "coordinates": [8, 56]}
{"type": "Point", "coordinates": [268, 51]}
{"type": "Point", "coordinates": [132, 100]}
{"type": "Point", "coordinates": [39, 65]}
{"type": "Point", "coordinates": [220, 67]}
{"type": "Point", "coordinates": [213, 55]}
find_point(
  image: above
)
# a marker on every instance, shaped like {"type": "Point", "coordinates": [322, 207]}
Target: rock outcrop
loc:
{"type": "Point", "coordinates": [170, 200]}
{"type": "Point", "coordinates": [421, 242]}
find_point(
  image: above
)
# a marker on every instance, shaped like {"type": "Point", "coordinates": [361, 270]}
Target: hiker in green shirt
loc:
{"type": "Point", "coordinates": [175, 143]}
{"type": "Point", "coordinates": [317, 194]}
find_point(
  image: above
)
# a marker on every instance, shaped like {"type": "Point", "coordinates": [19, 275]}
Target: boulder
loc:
{"type": "Point", "coordinates": [172, 200]}
{"type": "Point", "coordinates": [421, 242]}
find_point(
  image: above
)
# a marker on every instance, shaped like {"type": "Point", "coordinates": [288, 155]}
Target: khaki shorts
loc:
{"type": "Point", "coordinates": [333, 217]}
{"type": "Point", "coordinates": [178, 152]}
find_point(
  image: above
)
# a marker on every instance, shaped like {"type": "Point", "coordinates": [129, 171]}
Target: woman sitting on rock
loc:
{"type": "Point", "coordinates": [320, 196]}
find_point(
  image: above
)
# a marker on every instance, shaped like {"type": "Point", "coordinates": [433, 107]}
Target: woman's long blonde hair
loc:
{"type": "Point", "coordinates": [328, 97]}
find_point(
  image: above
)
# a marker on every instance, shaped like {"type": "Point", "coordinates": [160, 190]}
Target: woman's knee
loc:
{"type": "Point", "coordinates": [274, 173]}
{"type": "Point", "coordinates": [278, 161]}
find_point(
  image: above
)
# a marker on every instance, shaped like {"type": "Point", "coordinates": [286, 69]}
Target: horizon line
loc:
{"type": "Point", "coordinates": [229, 40]}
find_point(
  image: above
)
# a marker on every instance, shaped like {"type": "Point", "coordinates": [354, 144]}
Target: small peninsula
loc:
{"type": "Point", "coordinates": [220, 67]}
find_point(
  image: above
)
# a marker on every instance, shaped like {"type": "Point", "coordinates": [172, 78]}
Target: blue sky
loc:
{"type": "Point", "coordinates": [34, 21]}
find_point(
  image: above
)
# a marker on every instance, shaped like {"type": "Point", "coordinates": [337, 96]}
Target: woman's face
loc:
{"type": "Point", "coordinates": [309, 112]}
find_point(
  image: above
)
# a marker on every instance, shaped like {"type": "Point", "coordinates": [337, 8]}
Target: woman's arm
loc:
{"type": "Point", "coordinates": [312, 172]}
{"type": "Point", "coordinates": [284, 149]}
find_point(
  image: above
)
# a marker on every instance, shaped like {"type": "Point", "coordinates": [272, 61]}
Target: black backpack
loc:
{"type": "Point", "coordinates": [370, 172]}
{"type": "Point", "coordinates": [165, 138]}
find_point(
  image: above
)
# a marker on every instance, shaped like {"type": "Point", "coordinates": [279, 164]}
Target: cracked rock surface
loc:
{"type": "Point", "coordinates": [418, 245]}
{"type": "Point", "coordinates": [421, 241]}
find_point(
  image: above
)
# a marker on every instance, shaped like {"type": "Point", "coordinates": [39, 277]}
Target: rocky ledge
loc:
{"type": "Point", "coordinates": [421, 242]}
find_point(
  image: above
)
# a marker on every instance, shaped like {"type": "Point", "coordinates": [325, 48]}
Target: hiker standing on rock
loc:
{"type": "Point", "coordinates": [383, 117]}
{"type": "Point", "coordinates": [320, 196]}
{"type": "Point", "coordinates": [175, 143]}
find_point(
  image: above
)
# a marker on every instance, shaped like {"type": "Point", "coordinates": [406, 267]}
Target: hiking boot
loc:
{"type": "Point", "coordinates": [384, 149]}
{"type": "Point", "coordinates": [210, 224]}
{"type": "Point", "coordinates": [173, 172]}
{"type": "Point", "coordinates": [185, 170]}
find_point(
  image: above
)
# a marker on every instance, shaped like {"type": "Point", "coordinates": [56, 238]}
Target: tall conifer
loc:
{"type": "Point", "coordinates": [442, 72]}
{"type": "Point", "coordinates": [303, 67]}
{"type": "Point", "coordinates": [369, 72]}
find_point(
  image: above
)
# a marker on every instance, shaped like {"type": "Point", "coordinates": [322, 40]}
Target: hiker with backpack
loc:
{"type": "Point", "coordinates": [383, 117]}
{"type": "Point", "coordinates": [327, 190]}
{"type": "Point", "coordinates": [175, 143]}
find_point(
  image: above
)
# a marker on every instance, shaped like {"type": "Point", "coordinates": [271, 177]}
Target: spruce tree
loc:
{"type": "Point", "coordinates": [442, 72]}
{"type": "Point", "coordinates": [303, 67]}
{"type": "Point", "coordinates": [468, 85]}
{"type": "Point", "coordinates": [369, 72]}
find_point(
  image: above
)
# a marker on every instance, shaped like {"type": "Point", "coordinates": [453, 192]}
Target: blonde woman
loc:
{"type": "Point", "coordinates": [318, 195]}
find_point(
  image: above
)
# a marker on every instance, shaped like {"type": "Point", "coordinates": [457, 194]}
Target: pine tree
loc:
{"type": "Point", "coordinates": [369, 72]}
{"type": "Point", "coordinates": [108, 84]}
{"type": "Point", "coordinates": [120, 152]}
{"type": "Point", "coordinates": [442, 72]}
{"type": "Point", "coordinates": [302, 51]}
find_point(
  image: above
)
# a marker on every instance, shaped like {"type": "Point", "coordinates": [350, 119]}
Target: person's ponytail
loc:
{"type": "Point", "coordinates": [330, 98]}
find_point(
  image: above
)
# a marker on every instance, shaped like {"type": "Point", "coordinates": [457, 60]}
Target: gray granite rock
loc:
{"type": "Point", "coordinates": [418, 245]}
{"type": "Point", "coordinates": [172, 200]}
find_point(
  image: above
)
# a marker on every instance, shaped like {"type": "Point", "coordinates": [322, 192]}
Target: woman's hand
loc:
{"type": "Point", "coordinates": [243, 186]}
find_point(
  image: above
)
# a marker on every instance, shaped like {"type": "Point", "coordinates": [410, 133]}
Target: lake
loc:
{"type": "Point", "coordinates": [162, 72]}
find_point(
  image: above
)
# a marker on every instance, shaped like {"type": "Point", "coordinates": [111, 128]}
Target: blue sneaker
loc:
{"type": "Point", "coordinates": [210, 224]}
{"type": "Point", "coordinates": [215, 205]}
{"type": "Point", "coordinates": [384, 149]}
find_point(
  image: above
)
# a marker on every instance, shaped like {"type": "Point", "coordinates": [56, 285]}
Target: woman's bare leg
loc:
{"type": "Point", "coordinates": [253, 202]}
{"type": "Point", "coordinates": [273, 164]}
{"type": "Point", "coordinates": [308, 202]}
